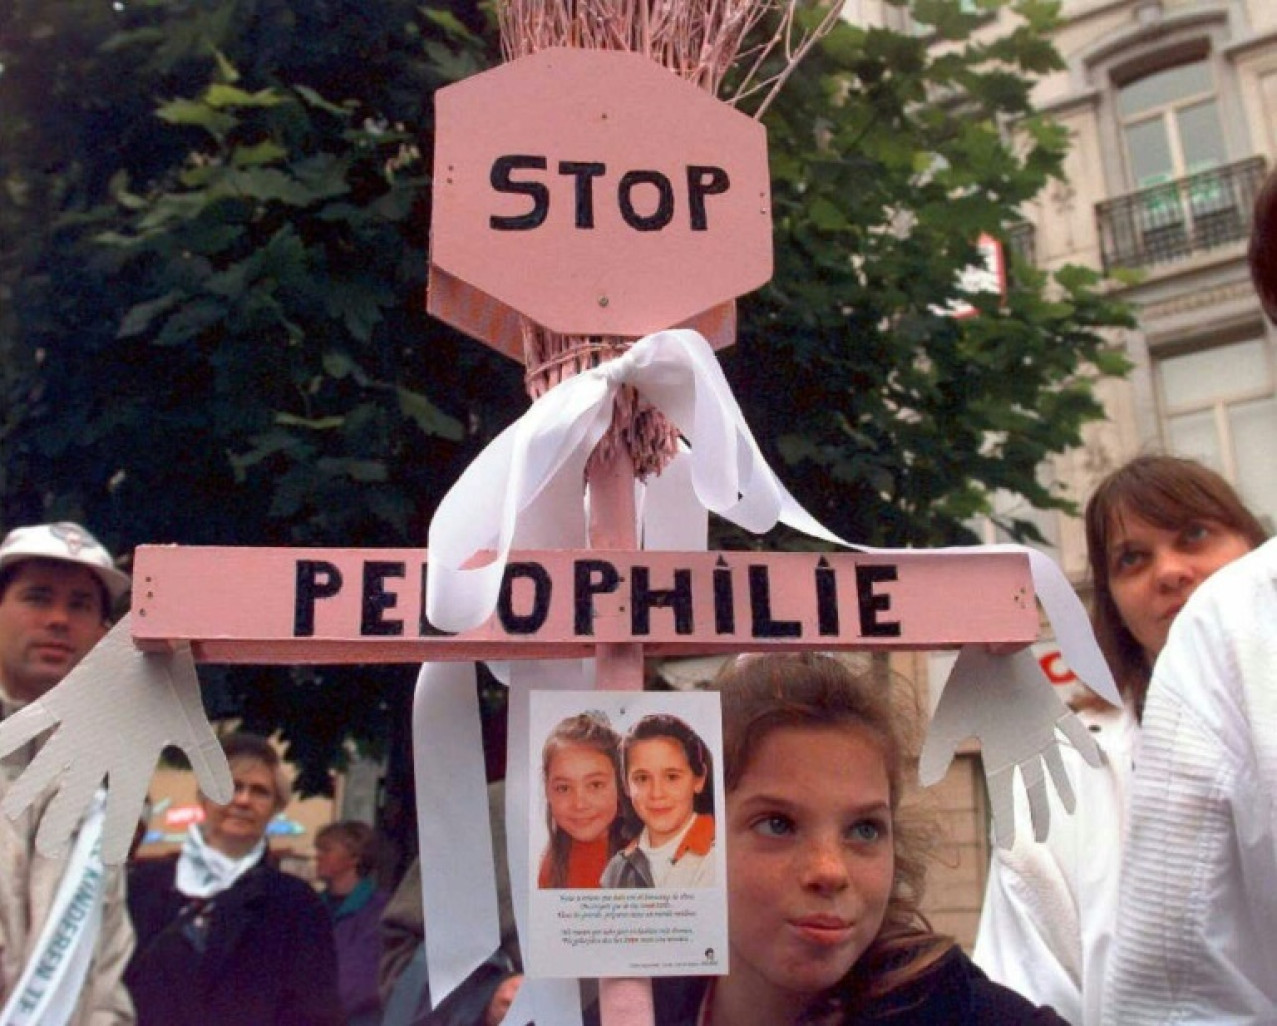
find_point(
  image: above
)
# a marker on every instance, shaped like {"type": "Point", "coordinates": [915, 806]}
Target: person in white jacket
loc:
{"type": "Point", "coordinates": [1156, 529]}
{"type": "Point", "coordinates": [1197, 915]}
{"type": "Point", "coordinates": [65, 934]}
{"type": "Point", "coordinates": [1197, 918]}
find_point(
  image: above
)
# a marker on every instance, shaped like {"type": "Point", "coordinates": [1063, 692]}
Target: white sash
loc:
{"type": "Point", "coordinates": [49, 988]}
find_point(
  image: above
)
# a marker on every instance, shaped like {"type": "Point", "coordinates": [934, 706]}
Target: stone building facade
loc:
{"type": "Point", "coordinates": [1172, 108]}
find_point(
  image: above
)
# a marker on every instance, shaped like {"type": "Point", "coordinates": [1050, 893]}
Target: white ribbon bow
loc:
{"type": "Point", "coordinates": [678, 373]}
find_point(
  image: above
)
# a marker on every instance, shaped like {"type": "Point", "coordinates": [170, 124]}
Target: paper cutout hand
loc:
{"type": "Point", "coordinates": [111, 716]}
{"type": "Point", "coordinates": [1007, 702]}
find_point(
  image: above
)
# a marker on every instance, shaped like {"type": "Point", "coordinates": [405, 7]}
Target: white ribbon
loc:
{"type": "Point", "coordinates": [49, 987]}
{"type": "Point", "coordinates": [555, 1001]}
{"type": "Point", "coordinates": [677, 372]}
{"type": "Point", "coordinates": [458, 876]}
{"type": "Point", "coordinates": [458, 893]}
{"type": "Point", "coordinates": [462, 921]}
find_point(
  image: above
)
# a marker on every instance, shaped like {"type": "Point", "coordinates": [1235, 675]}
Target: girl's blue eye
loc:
{"type": "Point", "coordinates": [774, 826]}
{"type": "Point", "coordinates": [867, 830]}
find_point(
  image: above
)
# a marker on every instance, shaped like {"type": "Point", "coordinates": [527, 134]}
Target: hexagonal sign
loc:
{"type": "Point", "coordinates": [594, 192]}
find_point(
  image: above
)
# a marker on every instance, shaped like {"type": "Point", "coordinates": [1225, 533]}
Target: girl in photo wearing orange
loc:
{"type": "Point", "coordinates": [581, 768]}
{"type": "Point", "coordinates": [669, 782]}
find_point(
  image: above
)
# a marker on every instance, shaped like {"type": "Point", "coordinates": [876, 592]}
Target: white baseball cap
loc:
{"type": "Point", "coordinates": [69, 543]}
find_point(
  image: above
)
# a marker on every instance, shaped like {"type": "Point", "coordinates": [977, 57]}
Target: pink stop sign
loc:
{"type": "Point", "coordinates": [594, 192]}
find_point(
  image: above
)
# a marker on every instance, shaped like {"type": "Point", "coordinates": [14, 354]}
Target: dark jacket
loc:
{"type": "Point", "coordinates": [405, 992]}
{"type": "Point", "coordinates": [259, 954]}
{"type": "Point", "coordinates": [954, 992]}
{"type": "Point", "coordinates": [357, 931]}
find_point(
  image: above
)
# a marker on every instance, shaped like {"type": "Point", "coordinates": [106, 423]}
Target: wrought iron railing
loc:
{"type": "Point", "coordinates": [1175, 219]}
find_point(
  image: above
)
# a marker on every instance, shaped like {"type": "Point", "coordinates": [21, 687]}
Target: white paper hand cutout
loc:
{"type": "Point", "coordinates": [111, 716]}
{"type": "Point", "coordinates": [1007, 702]}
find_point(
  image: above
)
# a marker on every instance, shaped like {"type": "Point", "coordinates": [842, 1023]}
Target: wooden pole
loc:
{"type": "Point", "coordinates": [619, 667]}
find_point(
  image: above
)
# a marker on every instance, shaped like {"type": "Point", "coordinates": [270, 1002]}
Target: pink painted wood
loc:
{"type": "Point", "coordinates": [628, 198]}
{"type": "Point", "coordinates": [479, 315]}
{"type": "Point", "coordinates": [618, 667]}
{"type": "Point", "coordinates": [278, 605]}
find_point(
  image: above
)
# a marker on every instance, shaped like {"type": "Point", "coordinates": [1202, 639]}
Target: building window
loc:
{"type": "Point", "coordinates": [1219, 406]}
{"type": "Point", "coordinates": [1171, 125]}
{"type": "Point", "coordinates": [1176, 192]}
{"type": "Point", "coordinates": [1172, 132]}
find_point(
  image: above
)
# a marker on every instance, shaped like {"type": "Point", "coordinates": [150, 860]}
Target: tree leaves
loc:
{"type": "Point", "coordinates": [895, 423]}
{"type": "Point", "coordinates": [211, 310]}
{"type": "Point", "coordinates": [211, 306]}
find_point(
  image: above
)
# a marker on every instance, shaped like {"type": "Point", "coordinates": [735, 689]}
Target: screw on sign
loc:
{"type": "Point", "coordinates": [596, 193]}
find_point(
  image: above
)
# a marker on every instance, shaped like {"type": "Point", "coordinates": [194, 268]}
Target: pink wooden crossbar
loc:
{"type": "Point", "coordinates": [293, 605]}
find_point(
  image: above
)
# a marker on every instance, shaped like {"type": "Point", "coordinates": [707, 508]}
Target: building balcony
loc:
{"type": "Point", "coordinates": [1176, 219]}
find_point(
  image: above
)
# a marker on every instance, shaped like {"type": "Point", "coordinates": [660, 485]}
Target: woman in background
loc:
{"type": "Point", "coordinates": [1156, 528]}
{"type": "Point", "coordinates": [344, 854]}
{"type": "Point", "coordinates": [223, 937]}
{"type": "Point", "coordinates": [1197, 921]}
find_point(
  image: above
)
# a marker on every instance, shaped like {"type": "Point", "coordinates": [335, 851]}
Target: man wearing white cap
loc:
{"type": "Point", "coordinates": [65, 935]}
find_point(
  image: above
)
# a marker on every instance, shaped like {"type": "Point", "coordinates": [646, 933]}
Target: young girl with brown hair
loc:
{"type": "Point", "coordinates": [669, 781]}
{"type": "Point", "coordinates": [824, 866]}
{"type": "Point", "coordinates": [581, 768]}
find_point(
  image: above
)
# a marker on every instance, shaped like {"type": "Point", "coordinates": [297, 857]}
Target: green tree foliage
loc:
{"type": "Point", "coordinates": [220, 310]}
{"type": "Point", "coordinates": [891, 421]}
{"type": "Point", "coordinates": [214, 221]}
{"type": "Point", "coordinates": [212, 260]}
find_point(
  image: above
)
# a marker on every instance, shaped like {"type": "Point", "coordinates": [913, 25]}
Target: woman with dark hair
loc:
{"type": "Point", "coordinates": [581, 770]}
{"type": "Point", "coordinates": [1197, 934]}
{"type": "Point", "coordinates": [825, 865]}
{"type": "Point", "coordinates": [669, 781]}
{"type": "Point", "coordinates": [1156, 528]}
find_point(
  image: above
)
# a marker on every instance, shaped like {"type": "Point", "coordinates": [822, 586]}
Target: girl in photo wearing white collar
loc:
{"type": "Point", "coordinates": [669, 782]}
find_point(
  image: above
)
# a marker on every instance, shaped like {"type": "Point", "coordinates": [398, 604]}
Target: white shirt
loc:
{"type": "Point", "coordinates": [1197, 921]}
{"type": "Point", "coordinates": [1048, 918]}
{"type": "Point", "coordinates": [691, 870]}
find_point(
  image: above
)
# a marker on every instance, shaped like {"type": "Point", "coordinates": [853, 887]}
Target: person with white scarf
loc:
{"type": "Point", "coordinates": [65, 935]}
{"type": "Point", "coordinates": [224, 938]}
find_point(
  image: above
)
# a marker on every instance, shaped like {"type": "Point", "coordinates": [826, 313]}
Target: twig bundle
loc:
{"type": "Point", "coordinates": [701, 41]}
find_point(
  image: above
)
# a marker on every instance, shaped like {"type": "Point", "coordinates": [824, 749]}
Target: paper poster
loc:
{"type": "Point", "coordinates": [626, 850]}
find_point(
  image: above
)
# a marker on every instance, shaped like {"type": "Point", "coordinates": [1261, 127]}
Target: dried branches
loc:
{"type": "Point", "coordinates": [700, 40]}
